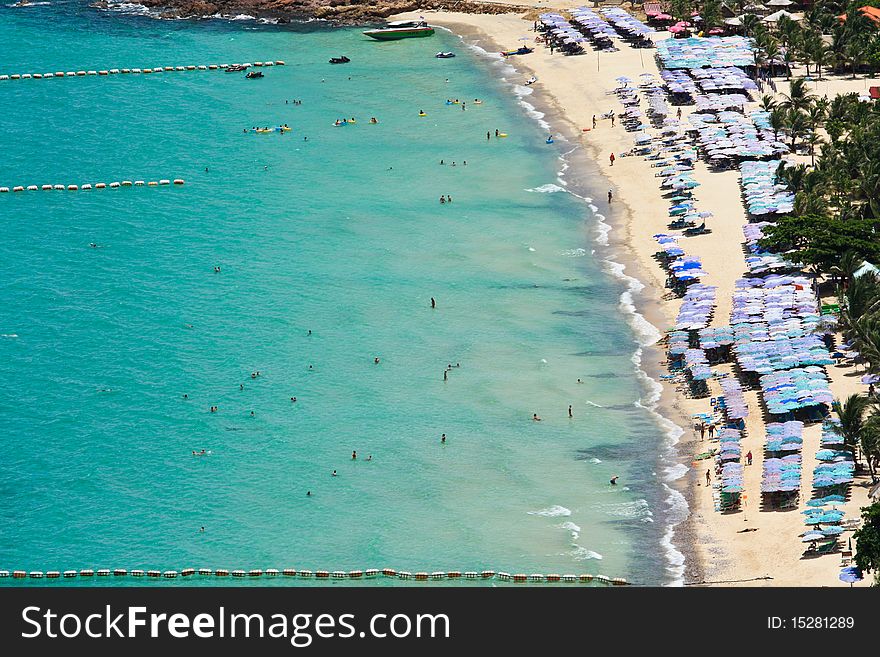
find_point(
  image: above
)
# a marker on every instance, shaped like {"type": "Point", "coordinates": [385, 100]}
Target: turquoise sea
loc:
{"type": "Point", "coordinates": [333, 230]}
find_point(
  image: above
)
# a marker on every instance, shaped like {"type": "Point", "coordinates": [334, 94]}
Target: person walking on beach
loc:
{"type": "Point", "coordinates": [611, 159]}
{"type": "Point", "coordinates": [711, 431]}
{"type": "Point", "coordinates": [610, 196]}
{"type": "Point", "coordinates": [702, 430]}
{"type": "Point", "coordinates": [708, 477]}
{"type": "Point", "coordinates": [749, 458]}
{"type": "Point", "coordinates": [679, 113]}
{"type": "Point", "coordinates": [594, 121]}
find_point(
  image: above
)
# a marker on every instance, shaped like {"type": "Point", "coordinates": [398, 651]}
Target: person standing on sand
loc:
{"type": "Point", "coordinates": [611, 159]}
{"type": "Point", "coordinates": [708, 477]}
{"type": "Point", "coordinates": [594, 121]}
{"type": "Point", "coordinates": [610, 196]}
{"type": "Point", "coordinates": [702, 430]}
{"type": "Point", "coordinates": [749, 458]}
{"type": "Point", "coordinates": [711, 431]}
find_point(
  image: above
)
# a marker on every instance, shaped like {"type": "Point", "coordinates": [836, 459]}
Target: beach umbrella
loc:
{"type": "Point", "coordinates": [834, 498]}
{"type": "Point", "coordinates": [832, 531]}
{"type": "Point", "coordinates": [812, 520]}
{"type": "Point", "coordinates": [850, 574]}
{"type": "Point", "coordinates": [816, 503]}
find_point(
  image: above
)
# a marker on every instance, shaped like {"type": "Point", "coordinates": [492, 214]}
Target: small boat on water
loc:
{"type": "Point", "coordinates": [522, 50]}
{"type": "Point", "coordinates": [445, 55]}
{"type": "Point", "coordinates": [236, 68]}
{"type": "Point", "coordinates": [401, 30]}
{"type": "Point", "coordinates": [339, 60]}
{"type": "Point", "coordinates": [254, 74]}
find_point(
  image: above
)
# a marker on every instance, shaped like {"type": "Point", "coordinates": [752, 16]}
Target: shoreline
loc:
{"type": "Point", "coordinates": [640, 302]}
{"type": "Point", "coordinates": [719, 548]}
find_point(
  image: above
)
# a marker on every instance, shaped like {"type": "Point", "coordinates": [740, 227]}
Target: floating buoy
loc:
{"type": "Point", "coordinates": [114, 185]}
{"type": "Point", "coordinates": [125, 70]}
{"type": "Point", "coordinates": [238, 573]}
{"type": "Point", "coordinates": [18, 188]}
{"type": "Point", "coordinates": [453, 574]}
{"type": "Point", "coordinates": [4, 190]}
{"type": "Point", "coordinates": [36, 574]}
{"type": "Point", "coordinates": [25, 76]}
{"type": "Point", "coordinates": [4, 573]}
{"type": "Point", "coordinates": [212, 67]}
{"type": "Point", "coordinates": [619, 581]}
{"type": "Point", "coordinates": [72, 188]}
{"type": "Point", "coordinates": [92, 72]}
{"type": "Point", "coordinates": [322, 574]}
{"type": "Point", "coordinates": [221, 572]}
{"type": "Point", "coordinates": [552, 578]}
{"type": "Point", "coordinates": [46, 188]}
{"type": "Point", "coordinates": [305, 573]}
{"type": "Point", "coordinates": [164, 182]}
{"type": "Point", "coordinates": [569, 578]}
{"type": "Point", "coordinates": [178, 181]}
{"type": "Point", "coordinates": [421, 577]}
{"type": "Point", "coordinates": [86, 573]}
{"type": "Point", "coordinates": [114, 71]}
{"type": "Point", "coordinates": [205, 571]}
{"type": "Point", "coordinates": [355, 574]}
{"type": "Point", "coordinates": [338, 574]}
{"type": "Point", "coordinates": [504, 577]}
{"type": "Point", "coordinates": [52, 574]}
{"type": "Point", "coordinates": [86, 186]}
{"type": "Point", "coordinates": [19, 574]}
{"type": "Point", "coordinates": [438, 575]}
{"type": "Point", "coordinates": [70, 573]}
{"type": "Point", "coordinates": [103, 572]}
{"type": "Point", "coordinates": [255, 573]}
{"type": "Point", "coordinates": [535, 577]}
{"type": "Point", "coordinates": [289, 572]}
{"type": "Point", "coordinates": [152, 183]}
{"type": "Point", "coordinates": [147, 70]}
{"type": "Point", "coordinates": [278, 62]}
{"type": "Point", "coordinates": [371, 572]}
{"type": "Point", "coordinates": [100, 185]}
{"type": "Point", "coordinates": [187, 572]}
{"type": "Point", "coordinates": [120, 572]}
{"type": "Point", "coordinates": [137, 573]}
{"type": "Point", "coordinates": [582, 578]}
{"type": "Point", "coordinates": [169, 574]}
{"type": "Point", "coordinates": [403, 574]}
{"type": "Point", "coordinates": [154, 573]}
{"type": "Point", "coordinates": [103, 72]}
{"type": "Point", "coordinates": [486, 574]}
{"type": "Point", "coordinates": [471, 575]}
{"type": "Point", "coordinates": [520, 577]}
{"type": "Point", "coordinates": [58, 187]}
{"type": "Point", "coordinates": [138, 183]}
{"type": "Point", "coordinates": [4, 77]}
{"type": "Point", "coordinates": [271, 572]}
{"type": "Point", "coordinates": [32, 188]}
{"type": "Point", "coordinates": [389, 572]}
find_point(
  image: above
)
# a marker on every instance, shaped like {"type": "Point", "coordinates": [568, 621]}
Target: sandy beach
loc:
{"type": "Point", "coordinates": [753, 546]}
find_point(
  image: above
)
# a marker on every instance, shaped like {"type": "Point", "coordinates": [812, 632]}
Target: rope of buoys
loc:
{"type": "Point", "coordinates": [124, 71]}
{"type": "Point", "coordinates": [88, 186]}
{"type": "Point", "coordinates": [369, 573]}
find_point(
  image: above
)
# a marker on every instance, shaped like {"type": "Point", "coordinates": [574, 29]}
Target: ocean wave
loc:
{"type": "Point", "coordinates": [571, 527]}
{"type": "Point", "coordinates": [637, 510]}
{"type": "Point", "coordinates": [554, 511]}
{"type": "Point", "coordinates": [574, 253]}
{"type": "Point", "coordinates": [30, 4]}
{"type": "Point", "coordinates": [581, 553]}
{"type": "Point", "coordinates": [8, 335]}
{"type": "Point", "coordinates": [549, 188]}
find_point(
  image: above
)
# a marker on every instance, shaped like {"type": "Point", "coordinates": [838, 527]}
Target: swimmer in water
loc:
{"type": "Point", "coordinates": [311, 368]}
{"type": "Point", "coordinates": [310, 331]}
{"type": "Point", "coordinates": [354, 456]}
{"type": "Point", "coordinates": [185, 396]}
{"type": "Point", "coordinates": [443, 438]}
{"type": "Point", "coordinates": [445, 375]}
{"type": "Point", "coordinates": [293, 399]}
{"type": "Point", "coordinates": [569, 411]}
{"type": "Point", "coordinates": [370, 457]}
{"type": "Point", "coordinates": [376, 360]}
{"type": "Point", "coordinates": [241, 386]}
{"type": "Point", "coordinates": [535, 417]}
{"type": "Point", "coordinates": [334, 474]}
{"type": "Point", "coordinates": [202, 529]}
{"type": "Point", "coordinates": [252, 414]}
{"type": "Point", "coordinates": [614, 480]}
{"type": "Point", "coordinates": [189, 326]}
{"type": "Point", "coordinates": [433, 303]}
{"type": "Point", "coordinates": [308, 493]}
{"type": "Point", "coordinates": [93, 245]}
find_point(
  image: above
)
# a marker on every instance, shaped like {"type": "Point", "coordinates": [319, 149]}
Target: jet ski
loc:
{"type": "Point", "coordinates": [235, 68]}
{"type": "Point", "coordinates": [445, 55]}
{"type": "Point", "coordinates": [254, 74]}
{"type": "Point", "coordinates": [339, 60]}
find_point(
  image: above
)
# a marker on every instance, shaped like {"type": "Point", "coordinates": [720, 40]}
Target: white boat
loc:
{"type": "Point", "coordinates": [401, 30]}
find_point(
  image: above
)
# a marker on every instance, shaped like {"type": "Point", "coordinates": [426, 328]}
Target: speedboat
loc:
{"type": "Point", "coordinates": [254, 74]}
{"type": "Point", "coordinates": [339, 60]}
{"type": "Point", "coordinates": [522, 50]}
{"type": "Point", "coordinates": [445, 55]}
{"type": "Point", "coordinates": [401, 30]}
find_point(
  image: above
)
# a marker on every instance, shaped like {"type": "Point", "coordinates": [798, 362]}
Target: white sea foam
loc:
{"type": "Point", "coordinates": [574, 253]}
{"type": "Point", "coordinates": [554, 511]}
{"type": "Point", "coordinates": [571, 527]}
{"type": "Point", "coordinates": [595, 404]}
{"type": "Point", "coordinates": [637, 510]}
{"type": "Point", "coordinates": [8, 335]}
{"type": "Point", "coordinates": [595, 460]}
{"type": "Point", "coordinates": [549, 188]}
{"type": "Point", "coordinates": [583, 554]}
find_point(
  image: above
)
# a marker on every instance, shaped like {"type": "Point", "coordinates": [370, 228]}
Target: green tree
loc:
{"type": "Point", "coordinates": [852, 419]}
{"type": "Point", "coordinates": [867, 555]}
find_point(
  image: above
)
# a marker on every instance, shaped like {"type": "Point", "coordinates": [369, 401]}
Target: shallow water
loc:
{"type": "Point", "coordinates": [341, 234]}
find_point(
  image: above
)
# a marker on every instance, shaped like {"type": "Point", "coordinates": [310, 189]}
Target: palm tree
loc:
{"type": "Point", "coordinates": [799, 96]}
{"type": "Point", "coordinates": [851, 414]}
{"type": "Point", "coordinates": [812, 140]}
{"type": "Point", "coordinates": [797, 125]}
{"type": "Point", "coordinates": [778, 120]}
{"type": "Point", "coordinates": [870, 442]}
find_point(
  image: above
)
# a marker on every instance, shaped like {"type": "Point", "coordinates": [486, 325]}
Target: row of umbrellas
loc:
{"type": "Point", "coordinates": [713, 52]}
{"type": "Point", "coordinates": [763, 193]}
{"type": "Point", "coordinates": [723, 79]}
{"type": "Point", "coordinates": [790, 390]}
{"type": "Point", "coordinates": [758, 259]}
{"type": "Point", "coordinates": [781, 475]}
{"type": "Point", "coordinates": [594, 26]}
{"type": "Point", "coordinates": [626, 24]}
{"type": "Point", "coordinates": [728, 133]}
{"type": "Point", "coordinates": [695, 362]}
{"type": "Point", "coordinates": [771, 355]}
{"type": "Point", "coordinates": [713, 337]}
{"type": "Point", "coordinates": [697, 307]}
{"type": "Point", "coordinates": [734, 402]}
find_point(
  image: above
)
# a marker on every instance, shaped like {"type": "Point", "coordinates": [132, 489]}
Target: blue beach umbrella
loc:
{"type": "Point", "coordinates": [832, 531]}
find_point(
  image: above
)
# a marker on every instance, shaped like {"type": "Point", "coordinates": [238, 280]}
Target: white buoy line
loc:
{"type": "Point", "coordinates": [132, 71]}
{"type": "Point", "coordinates": [87, 186]}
